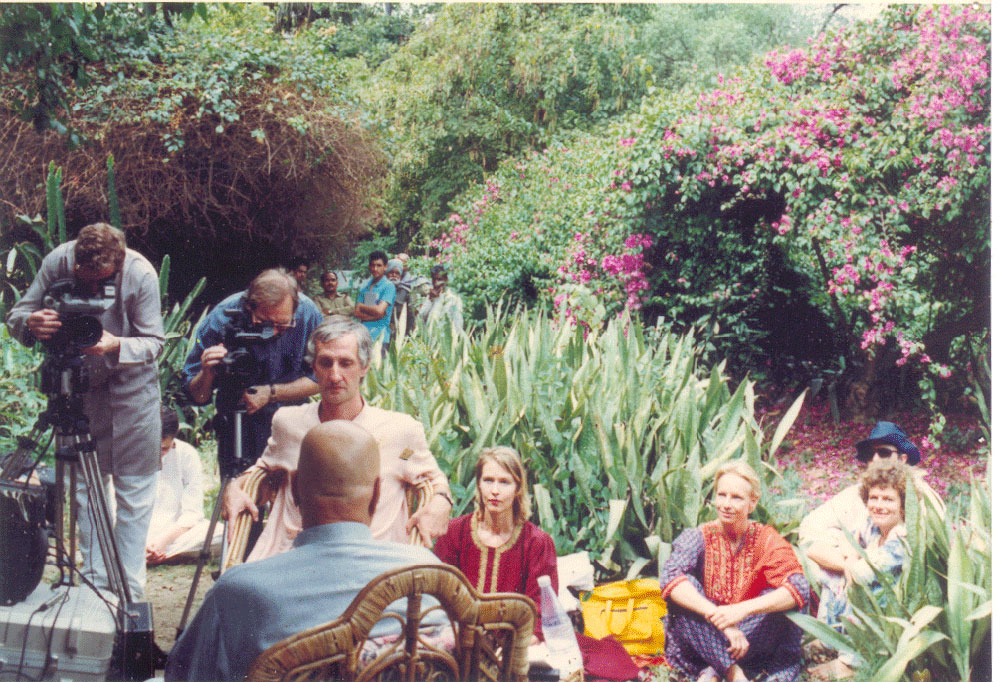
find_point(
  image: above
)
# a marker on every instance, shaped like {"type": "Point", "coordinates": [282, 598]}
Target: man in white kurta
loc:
{"type": "Point", "coordinates": [340, 351]}
{"type": "Point", "coordinates": [178, 525]}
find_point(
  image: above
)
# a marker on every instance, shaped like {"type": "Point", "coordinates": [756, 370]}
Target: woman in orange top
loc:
{"type": "Point", "coordinates": [728, 581]}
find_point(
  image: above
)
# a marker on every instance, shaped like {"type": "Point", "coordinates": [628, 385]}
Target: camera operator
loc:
{"type": "Point", "coordinates": [123, 399]}
{"type": "Point", "coordinates": [267, 325]}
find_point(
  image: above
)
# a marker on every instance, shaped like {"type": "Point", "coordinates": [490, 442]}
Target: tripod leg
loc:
{"type": "Point", "coordinates": [205, 554]}
{"type": "Point", "coordinates": [73, 521]}
{"type": "Point", "coordinates": [100, 517]}
{"type": "Point", "coordinates": [60, 530]}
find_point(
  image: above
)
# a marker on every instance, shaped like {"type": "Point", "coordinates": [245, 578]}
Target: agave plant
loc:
{"type": "Point", "coordinates": [621, 432]}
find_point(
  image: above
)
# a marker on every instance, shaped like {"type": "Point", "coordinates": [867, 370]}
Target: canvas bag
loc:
{"type": "Point", "coordinates": [631, 611]}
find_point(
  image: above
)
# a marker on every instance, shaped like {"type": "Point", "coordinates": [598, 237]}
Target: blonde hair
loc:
{"type": "Point", "coordinates": [508, 460]}
{"type": "Point", "coordinates": [740, 468]}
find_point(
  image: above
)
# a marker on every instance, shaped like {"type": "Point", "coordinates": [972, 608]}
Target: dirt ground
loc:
{"type": "Point", "coordinates": [166, 590]}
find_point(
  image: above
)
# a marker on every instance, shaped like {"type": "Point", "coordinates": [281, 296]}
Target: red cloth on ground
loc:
{"type": "Point", "coordinates": [606, 659]}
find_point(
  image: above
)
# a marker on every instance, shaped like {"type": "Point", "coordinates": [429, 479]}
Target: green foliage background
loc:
{"type": "Point", "coordinates": [820, 211]}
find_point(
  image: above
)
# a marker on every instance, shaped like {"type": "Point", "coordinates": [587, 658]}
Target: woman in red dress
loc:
{"type": "Point", "coordinates": [495, 546]}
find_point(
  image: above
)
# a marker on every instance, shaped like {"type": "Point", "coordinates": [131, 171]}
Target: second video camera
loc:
{"type": "Point", "coordinates": [240, 367]}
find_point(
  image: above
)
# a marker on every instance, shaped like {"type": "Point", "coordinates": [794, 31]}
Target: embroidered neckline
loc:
{"type": "Point", "coordinates": [747, 534]}
{"type": "Point", "coordinates": [502, 548]}
{"type": "Point", "coordinates": [484, 584]}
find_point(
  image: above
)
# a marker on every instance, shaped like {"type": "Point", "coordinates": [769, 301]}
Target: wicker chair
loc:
{"type": "Point", "coordinates": [492, 634]}
{"type": "Point", "coordinates": [262, 487]}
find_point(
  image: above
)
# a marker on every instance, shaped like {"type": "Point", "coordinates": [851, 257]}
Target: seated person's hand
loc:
{"type": "Point", "coordinates": [738, 644]}
{"type": "Point", "coordinates": [154, 553]}
{"type": "Point", "coordinates": [234, 502]}
{"type": "Point", "coordinates": [727, 616]}
{"type": "Point", "coordinates": [431, 520]}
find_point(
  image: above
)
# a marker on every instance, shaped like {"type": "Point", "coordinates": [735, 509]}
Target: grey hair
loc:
{"type": "Point", "coordinates": [332, 328]}
{"type": "Point", "coordinates": [271, 287]}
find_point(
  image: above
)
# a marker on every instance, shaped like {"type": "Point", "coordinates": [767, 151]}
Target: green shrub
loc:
{"type": "Point", "coordinates": [621, 433]}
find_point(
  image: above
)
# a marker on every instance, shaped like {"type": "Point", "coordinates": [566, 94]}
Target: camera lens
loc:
{"type": "Point", "coordinates": [83, 331]}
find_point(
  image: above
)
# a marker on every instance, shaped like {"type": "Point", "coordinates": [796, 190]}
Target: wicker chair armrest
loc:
{"type": "Point", "coordinates": [261, 486]}
{"type": "Point", "coordinates": [417, 497]}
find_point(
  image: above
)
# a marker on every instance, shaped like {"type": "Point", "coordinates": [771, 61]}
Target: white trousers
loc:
{"type": "Point", "coordinates": [131, 506]}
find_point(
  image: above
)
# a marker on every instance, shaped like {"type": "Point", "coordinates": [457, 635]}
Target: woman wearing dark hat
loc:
{"type": "Point", "coordinates": [885, 445]}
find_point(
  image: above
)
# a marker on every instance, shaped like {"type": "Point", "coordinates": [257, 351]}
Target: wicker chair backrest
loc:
{"type": "Point", "coordinates": [491, 634]}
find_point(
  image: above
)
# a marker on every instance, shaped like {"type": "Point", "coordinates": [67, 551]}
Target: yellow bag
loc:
{"type": "Point", "coordinates": [631, 611]}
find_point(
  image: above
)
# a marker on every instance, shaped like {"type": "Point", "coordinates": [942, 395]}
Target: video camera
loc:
{"type": "Point", "coordinates": [80, 315]}
{"type": "Point", "coordinates": [240, 368]}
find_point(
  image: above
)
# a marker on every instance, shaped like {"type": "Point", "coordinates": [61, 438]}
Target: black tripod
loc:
{"type": "Point", "coordinates": [64, 381]}
{"type": "Point", "coordinates": [206, 549]}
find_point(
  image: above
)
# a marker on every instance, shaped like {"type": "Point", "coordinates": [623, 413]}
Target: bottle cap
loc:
{"type": "Point", "coordinates": [544, 581]}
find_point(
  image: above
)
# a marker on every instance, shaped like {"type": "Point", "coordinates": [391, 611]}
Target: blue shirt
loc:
{"type": "Point", "coordinates": [281, 355]}
{"type": "Point", "coordinates": [256, 605]}
{"type": "Point", "coordinates": [280, 360]}
{"type": "Point", "coordinates": [384, 291]}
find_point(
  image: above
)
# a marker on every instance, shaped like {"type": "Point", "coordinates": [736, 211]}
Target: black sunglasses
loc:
{"type": "Point", "coordinates": [883, 451]}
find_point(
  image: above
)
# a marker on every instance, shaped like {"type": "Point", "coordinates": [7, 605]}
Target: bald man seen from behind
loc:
{"type": "Point", "coordinates": [255, 605]}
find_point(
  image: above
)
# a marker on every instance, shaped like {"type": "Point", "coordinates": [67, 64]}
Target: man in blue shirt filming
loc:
{"type": "Point", "coordinates": [250, 347]}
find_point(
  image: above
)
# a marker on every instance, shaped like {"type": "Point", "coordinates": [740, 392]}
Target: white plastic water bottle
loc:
{"type": "Point", "coordinates": [564, 652]}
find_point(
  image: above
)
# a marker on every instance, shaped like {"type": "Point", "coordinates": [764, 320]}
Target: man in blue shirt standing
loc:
{"type": "Point", "coordinates": [376, 298]}
{"type": "Point", "coordinates": [273, 310]}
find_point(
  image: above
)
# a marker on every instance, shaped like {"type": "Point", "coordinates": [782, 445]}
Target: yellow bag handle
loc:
{"type": "Point", "coordinates": [608, 616]}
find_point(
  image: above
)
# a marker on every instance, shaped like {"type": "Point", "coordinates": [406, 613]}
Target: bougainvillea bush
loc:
{"type": "Point", "coordinates": [826, 206]}
{"type": "Point", "coordinates": [865, 159]}
{"type": "Point", "coordinates": [512, 236]}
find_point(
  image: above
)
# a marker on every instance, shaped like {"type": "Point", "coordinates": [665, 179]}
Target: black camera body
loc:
{"type": "Point", "coordinates": [240, 368]}
{"type": "Point", "coordinates": [80, 315]}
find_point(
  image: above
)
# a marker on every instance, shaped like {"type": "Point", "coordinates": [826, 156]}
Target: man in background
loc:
{"type": "Point", "coordinates": [375, 299]}
{"type": "Point", "coordinates": [418, 288]}
{"type": "Point", "coordinates": [442, 304]}
{"type": "Point", "coordinates": [298, 267]}
{"type": "Point", "coordinates": [331, 302]}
